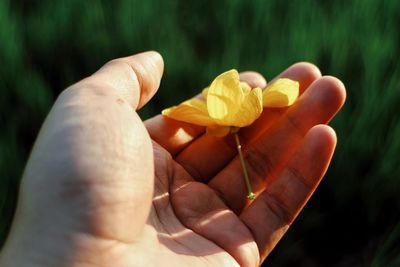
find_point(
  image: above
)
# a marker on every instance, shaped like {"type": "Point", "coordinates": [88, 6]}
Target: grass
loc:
{"type": "Point", "coordinates": [354, 217]}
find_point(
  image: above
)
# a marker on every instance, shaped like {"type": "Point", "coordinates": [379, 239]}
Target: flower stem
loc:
{"type": "Point", "coordinates": [250, 195]}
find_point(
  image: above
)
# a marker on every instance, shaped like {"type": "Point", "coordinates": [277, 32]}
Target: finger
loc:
{"type": "Point", "coordinates": [209, 217]}
{"type": "Point", "coordinates": [270, 215]}
{"type": "Point", "coordinates": [306, 74]}
{"type": "Point", "coordinates": [270, 153]}
{"type": "Point", "coordinates": [175, 135]}
{"type": "Point", "coordinates": [171, 134]}
{"type": "Point", "coordinates": [134, 79]}
{"type": "Point", "coordinates": [254, 79]}
{"type": "Point", "coordinates": [196, 157]}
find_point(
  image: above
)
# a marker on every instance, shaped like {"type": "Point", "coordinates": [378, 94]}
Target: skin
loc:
{"type": "Point", "coordinates": [103, 188]}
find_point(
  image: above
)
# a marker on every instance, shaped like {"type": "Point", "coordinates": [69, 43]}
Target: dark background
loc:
{"type": "Point", "coordinates": [354, 217]}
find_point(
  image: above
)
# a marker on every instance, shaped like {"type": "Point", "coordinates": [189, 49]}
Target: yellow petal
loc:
{"type": "Point", "coordinates": [282, 93]}
{"type": "Point", "coordinates": [192, 111]}
{"type": "Point", "coordinates": [250, 109]}
{"type": "Point", "coordinates": [224, 97]}
{"type": "Point", "coordinates": [218, 131]}
{"type": "Point", "coordinates": [204, 93]}
{"type": "Point", "coordinates": [245, 87]}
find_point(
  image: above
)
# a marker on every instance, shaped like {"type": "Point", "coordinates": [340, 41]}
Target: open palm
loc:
{"type": "Point", "coordinates": [101, 188]}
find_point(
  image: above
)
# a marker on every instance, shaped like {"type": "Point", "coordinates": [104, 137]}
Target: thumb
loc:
{"type": "Point", "coordinates": [135, 78]}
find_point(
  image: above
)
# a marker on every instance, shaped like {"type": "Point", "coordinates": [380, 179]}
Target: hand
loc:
{"type": "Point", "coordinates": [102, 188]}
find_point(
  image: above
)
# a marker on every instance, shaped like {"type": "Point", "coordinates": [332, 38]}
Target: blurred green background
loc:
{"type": "Point", "coordinates": [354, 217]}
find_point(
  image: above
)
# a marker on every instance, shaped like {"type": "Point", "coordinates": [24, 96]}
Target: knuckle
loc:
{"type": "Point", "coordinates": [275, 206]}
{"type": "Point", "coordinates": [297, 176]}
{"type": "Point", "coordinates": [259, 162]}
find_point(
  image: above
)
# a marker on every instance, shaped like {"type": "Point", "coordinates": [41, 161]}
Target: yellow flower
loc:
{"type": "Point", "coordinates": [229, 104]}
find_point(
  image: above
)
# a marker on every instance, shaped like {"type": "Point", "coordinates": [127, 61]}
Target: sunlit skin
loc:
{"type": "Point", "coordinates": [103, 188]}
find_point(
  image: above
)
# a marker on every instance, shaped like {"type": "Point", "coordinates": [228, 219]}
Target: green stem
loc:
{"type": "Point", "coordinates": [250, 195]}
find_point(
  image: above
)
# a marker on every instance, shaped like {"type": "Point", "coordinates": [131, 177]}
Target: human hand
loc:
{"type": "Point", "coordinates": [102, 188]}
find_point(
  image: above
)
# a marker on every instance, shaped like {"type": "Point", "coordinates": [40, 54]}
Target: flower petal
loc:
{"type": "Point", "coordinates": [192, 111]}
{"type": "Point", "coordinates": [282, 93]}
{"type": "Point", "coordinates": [204, 93]}
{"type": "Point", "coordinates": [224, 97]}
{"type": "Point", "coordinates": [218, 131]}
{"type": "Point", "coordinates": [250, 109]}
{"type": "Point", "coordinates": [245, 87]}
